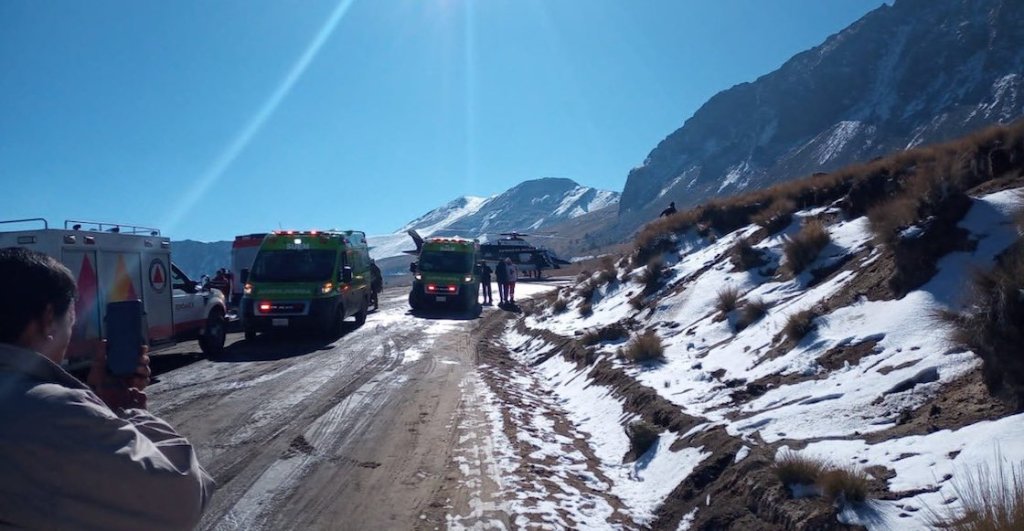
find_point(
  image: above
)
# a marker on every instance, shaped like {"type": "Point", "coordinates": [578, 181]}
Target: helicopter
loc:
{"type": "Point", "coordinates": [532, 261]}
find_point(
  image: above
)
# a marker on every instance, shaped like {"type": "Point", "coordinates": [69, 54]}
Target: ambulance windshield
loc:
{"type": "Point", "coordinates": [446, 262]}
{"type": "Point", "coordinates": [300, 265]}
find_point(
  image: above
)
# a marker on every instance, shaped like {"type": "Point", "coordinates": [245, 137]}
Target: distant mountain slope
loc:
{"type": "Point", "coordinates": [528, 206]}
{"type": "Point", "coordinates": [200, 258]}
{"type": "Point", "coordinates": [531, 205]}
{"type": "Point", "coordinates": [916, 72]}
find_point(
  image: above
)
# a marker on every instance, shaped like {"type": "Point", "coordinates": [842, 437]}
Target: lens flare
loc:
{"type": "Point", "coordinates": [216, 170]}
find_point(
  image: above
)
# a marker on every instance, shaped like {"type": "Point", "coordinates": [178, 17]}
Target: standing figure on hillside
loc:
{"type": "Point", "coordinates": [513, 276]}
{"type": "Point", "coordinates": [669, 211]}
{"type": "Point", "coordinates": [484, 272]}
{"type": "Point", "coordinates": [501, 274]}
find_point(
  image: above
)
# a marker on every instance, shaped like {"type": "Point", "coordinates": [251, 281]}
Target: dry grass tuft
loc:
{"type": "Point", "coordinates": [845, 484]}
{"type": "Point", "coordinates": [652, 276]}
{"type": "Point", "coordinates": [744, 256]}
{"type": "Point", "coordinates": [559, 306]}
{"type": "Point", "coordinates": [799, 324]}
{"type": "Point", "coordinates": [612, 332]}
{"type": "Point", "coordinates": [992, 326]}
{"type": "Point", "coordinates": [586, 290]}
{"type": "Point", "coordinates": [645, 348]}
{"type": "Point", "coordinates": [991, 502]}
{"type": "Point", "coordinates": [802, 249]}
{"type": "Point", "coordinates": [659, 236]}
{"type": "Point", "coordinates": [728, 298]}
{"type": "Point", "coordinates": [637, 302]}
{"type": "Point", "coordinates": [751, 312]}
{"type": "Point", "coordinates": [795, 469]}
{"type": "Point", "coordinates": [586, 309]}
{"type": "Point", "coordinates": [608, 273]}
{"type": "Point", "coordinates": [889, 218]}
{"type": "Point", "coordinates": [777, 216]}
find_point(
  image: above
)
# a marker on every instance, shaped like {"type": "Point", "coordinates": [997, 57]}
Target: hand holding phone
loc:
{"type": "Point", "coordinates": [120, 391]}
{"type": "Point", "coordinates": [124, 336]}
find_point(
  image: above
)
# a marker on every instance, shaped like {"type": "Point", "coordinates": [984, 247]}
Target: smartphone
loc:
{"type": "Point", "coordinates": [124, 337]}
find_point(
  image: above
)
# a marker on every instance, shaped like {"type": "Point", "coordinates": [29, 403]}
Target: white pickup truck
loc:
{"type": "Point", "coordinates": [116, 262]}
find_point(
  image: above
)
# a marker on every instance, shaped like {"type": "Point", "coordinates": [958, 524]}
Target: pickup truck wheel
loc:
{"type": "Point", "coordinates": [214, 334]}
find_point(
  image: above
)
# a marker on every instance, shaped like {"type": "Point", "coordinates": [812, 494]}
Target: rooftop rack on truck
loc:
{"type": "Point", "coordinates": [99, 226]}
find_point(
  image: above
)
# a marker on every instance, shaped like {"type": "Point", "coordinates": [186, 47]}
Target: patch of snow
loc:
{"type": "Point", "coordinates": [735, 174]}
{"type": "Point", "coordinates": [838, 137]}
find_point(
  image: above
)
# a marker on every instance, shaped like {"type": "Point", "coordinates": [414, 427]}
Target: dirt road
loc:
{"type": "Point", "coordinates": [355, 433]}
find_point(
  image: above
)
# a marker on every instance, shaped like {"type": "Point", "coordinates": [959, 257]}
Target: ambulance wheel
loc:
{"type": "Point", "coordinates": [250, 333]}
{"type": "Point", "coordinates": [337, 326]}
{"type": "Point", "coordinates": [470, 301]}
{"type": "Point", "coordinates": [212, 340]}
{"type": "Point", "coordinates": [364, 308]}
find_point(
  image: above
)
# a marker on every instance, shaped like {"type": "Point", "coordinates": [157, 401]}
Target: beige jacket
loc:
{"type": "Point", "coordinates": [67, 461]}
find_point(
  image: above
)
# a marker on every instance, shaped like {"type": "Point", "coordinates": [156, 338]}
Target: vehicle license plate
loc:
{"type": "Point", "coordinates": [442, 299]}
{"type": "Point", "coordinates": [279, 322]}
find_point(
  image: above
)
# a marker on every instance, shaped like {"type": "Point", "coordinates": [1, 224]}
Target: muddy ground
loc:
{"type": "Point", "coordinates": [359, 432]}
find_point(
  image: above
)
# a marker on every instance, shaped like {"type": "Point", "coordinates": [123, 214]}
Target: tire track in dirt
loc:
{"type": "Point", "coordinates": [243, 416]}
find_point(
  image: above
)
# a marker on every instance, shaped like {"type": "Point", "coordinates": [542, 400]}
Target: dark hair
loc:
{"type": "Point", "coordinates": [29, 282]}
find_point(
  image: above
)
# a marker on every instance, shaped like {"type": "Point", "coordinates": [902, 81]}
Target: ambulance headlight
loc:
{"type": "Point", "coordinates": [418, 276]}
{"type": "Point", "coordinates": [327, 288]}
{"type": "Point", "coordinates": [468, 279]}
{"type": "Point", "coordinates": [247, 289]}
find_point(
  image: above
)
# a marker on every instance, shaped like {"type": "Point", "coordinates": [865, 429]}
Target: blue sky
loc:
{"type": "Point", "coordinates": [210, 119]}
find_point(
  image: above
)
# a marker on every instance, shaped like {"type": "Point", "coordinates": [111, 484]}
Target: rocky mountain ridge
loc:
{"type": "Point", "coordinates": [903, 75]}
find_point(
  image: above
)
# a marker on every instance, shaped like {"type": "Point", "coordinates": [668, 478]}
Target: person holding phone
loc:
{"type": "Point", "coordinates": [74, 455]}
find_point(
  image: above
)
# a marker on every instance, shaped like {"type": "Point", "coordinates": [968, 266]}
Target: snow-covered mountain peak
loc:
{"type": "Point", "coordinates": [528, 206]}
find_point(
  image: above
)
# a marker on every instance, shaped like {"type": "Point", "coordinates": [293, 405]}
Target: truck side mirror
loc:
{"type": "Point", "coordinates": [346, 274]}
{"type": "Point", "coordinates": [244, 275]}
{"type": "Point", "coordinates": [413, 266]}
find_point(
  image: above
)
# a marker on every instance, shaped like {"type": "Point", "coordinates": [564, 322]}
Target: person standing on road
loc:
{"type": "Point", "coordinates": [74, 457]}
{"type": "Point", "coordinates": [513, 276]}
{"type": "Point", "coordinates": [484, 272]}
{"type": "Point", "coordinates": [376, 284]}
{"type": "Point", "coordinates": [501, 274]}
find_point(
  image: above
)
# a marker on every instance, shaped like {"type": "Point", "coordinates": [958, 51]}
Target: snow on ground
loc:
{"type": "Point", "coordinates": [911, 361]}
{"type": "Point", "coordinates": [642, 485]}
{"type": "Point", "coordinates": [928, 462]}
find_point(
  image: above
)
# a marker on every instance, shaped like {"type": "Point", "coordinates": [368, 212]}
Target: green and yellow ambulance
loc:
{"type": "Point", "coordinates": [445, 275]}
{"type": "Point", "coordinates": [307, 280]}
